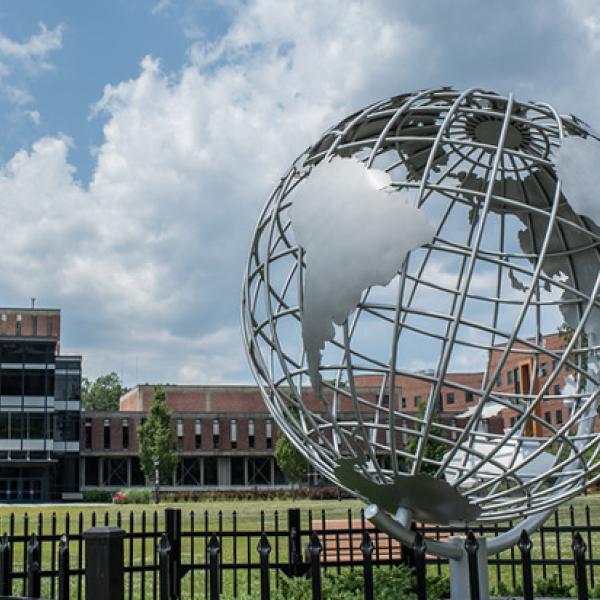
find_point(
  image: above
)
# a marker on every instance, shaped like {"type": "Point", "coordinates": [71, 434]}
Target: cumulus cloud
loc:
{"type": "Point", "coordinates": [146, 260]}
{"type": "Point", "coordinates": [149, 255]}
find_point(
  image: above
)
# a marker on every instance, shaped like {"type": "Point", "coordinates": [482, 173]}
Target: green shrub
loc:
{"type": "Point", "coordinates": [552, 588]}
{"type": "Point", "coordinates": [97, 496]}
{"type": "Point", "coordinates": [139, 496]}
{"type": "Point", "coordinates": [396, 583]}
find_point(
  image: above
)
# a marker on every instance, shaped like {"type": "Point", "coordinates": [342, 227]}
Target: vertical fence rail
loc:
{"type": "Point", "coordinates": [525, 546]}
{"type": "Point", "coordinates": [213, 552]}
{"type": "Point", "coordinates": [366, 549]}
{"type": "Point", "coordinates": [314, 552]}
{"type": "Point", "coordinates": [264, 549]}
{"type": "Point", "coordinates": [579, 549]}
{"type": "Point", "coordinates": [5, 567]}
{"type": "Point", "coordinates": [472, 547]}
{"type": "Point", "coordinates": [419, 554]}
{"type": "Point", "coordinates": [64, 579]}
{"type": "Point", "coordinates": [34, 587]}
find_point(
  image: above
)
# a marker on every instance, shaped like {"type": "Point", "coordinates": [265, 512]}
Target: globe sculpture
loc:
{"type": "Point", "coordinates": [434, 232]}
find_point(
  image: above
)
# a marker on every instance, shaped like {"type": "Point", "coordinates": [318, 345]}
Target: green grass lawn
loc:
{"type": "Point", "coordinates": [245, 516]}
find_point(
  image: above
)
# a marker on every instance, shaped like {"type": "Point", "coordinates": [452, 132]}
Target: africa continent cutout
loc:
{"type": "Point", "coordinates": [355, 231]}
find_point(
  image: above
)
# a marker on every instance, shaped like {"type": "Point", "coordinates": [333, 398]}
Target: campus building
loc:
{"type": "Point", "coordinates": [51, 449]}
{"type": "Point", "coordinates": [40, 400]}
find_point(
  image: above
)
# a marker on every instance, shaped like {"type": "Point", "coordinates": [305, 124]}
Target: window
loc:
{"type": "Point", "coordinates": [548, 417]}
{"type": "Point", "coordinates": [179, 428]}
{"type": "Point", "coordinates": [106, 434]}
{"type": "Point", "coordinates": [88, 434]}
{"type": "Point", "coordinates": [557, 390]}
{"type": "Point", "coordinates": [11, 382]}
{"type": "Point", "coordinates": [269, 433]}
{"type": "Point", "coordinates": [259, 471]}
{"type": "Point", "coordinates": [450, 398]}
{"type": "Point", "coordinates": [115, 471]}
{"type": "Point", "coordinates": [509, 378]}
{"type": "Point", "coordinates": [18, 324]}
{"type": "Point", "coordinates": [543, 369]}
{"type": "Point", "coordinates": [4, 425]}
{"type": "Point", "coordinates": [66, 426]}
{"type": "Point", "coordinates": [137, 475]}
{"type": "Point", "coordinates": [33, 325]}
{"type": "Point", "coordinates": [233, 433]}
{"type": "Point", "coordinates": [237, 471]}
{"type": "Point", "coordinates": [125, 432]}
{"type": "Point", "coordinates": [36, 426]}
{"type": "Point", "coordinates": [417, 401]}
{"type": "Point", "coordinates": [403, 402]}
{"type": "Point", "coordinates": [190, 472]}
{"type": "Point", "coordinates": [198, 434]}
{"type": "Point", "coordinates": [517, 380]}
{"type": "Point", "coordinates": [49, 326]}
{"type": "Point", "coordinates": [513, 420]}
{"type": "Point", "coordinates": [215, 430]}
{"type": "Point", "coordinates": [469, 397]}
{"type": "Point", "coordinates": [251, 441]}
{"type": "Point", "coordinates": [499, 379]}
{"type": "Point", "coordinates": [559, 416]}
{"type": "Point", "coordinates": [91, 470]}
{"type": "Point", "coordinates": [17, 423]}
{"type": "Point", "coordinates": [211, 472]}
{"type": "Point", "coordinates": [554, 364]}
{"type": "Point", "coordinates": [35, 382]}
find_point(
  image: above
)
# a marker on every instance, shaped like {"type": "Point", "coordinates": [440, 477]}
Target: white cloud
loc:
{"type": "Point", "coordinates": [147, 259]}
{"type": "Point", "coordinates": [20, 61]}
{"type": "Point", "coordinates": [149, 256]}
{"type": "Point", "coordinates": [32, 52]}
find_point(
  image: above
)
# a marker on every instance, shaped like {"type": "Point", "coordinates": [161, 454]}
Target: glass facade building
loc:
{"type": "Point", "coordinates": [39, 408]}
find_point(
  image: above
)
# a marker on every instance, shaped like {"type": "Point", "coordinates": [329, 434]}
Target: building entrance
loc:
{"type": "Point", "coordinates": [21, 489]}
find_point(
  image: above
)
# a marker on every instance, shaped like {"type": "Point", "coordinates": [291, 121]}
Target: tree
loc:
{"type": "Point", "coordinates": [103, 393]}
{"type": "Point", "coordinates": [434, 449]}
{"type": "Point", "coordinates": [157, 442]}
{"type": "Point", "coordinates": [292, 464]}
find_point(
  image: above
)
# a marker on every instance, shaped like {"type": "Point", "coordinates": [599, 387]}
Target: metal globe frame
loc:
{"type": "Point", "coordinates": [450, 150]}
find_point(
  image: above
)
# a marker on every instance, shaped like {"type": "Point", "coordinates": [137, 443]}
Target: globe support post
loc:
{"type": "Point", "coordinates": [469, 580]}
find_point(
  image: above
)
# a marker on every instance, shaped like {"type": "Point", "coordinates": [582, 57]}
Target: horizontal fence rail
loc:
{"type": "Point", "coordinates": [175, 554]}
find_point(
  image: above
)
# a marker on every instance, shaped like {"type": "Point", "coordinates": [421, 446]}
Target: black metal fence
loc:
{"type": "Point", "coordinates": [176, 554]}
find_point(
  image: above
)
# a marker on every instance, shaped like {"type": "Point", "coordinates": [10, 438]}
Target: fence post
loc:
{"type": "Point", "coordinates": [173, 530]}
{"type": "Point", "coordinates": [213, 566]}
{"type": "Point", "coordinates": [314, 551]}
{"type": "Point", "coordinates": [579, 549]}
{"type": "Point", "coordinates": [33, 567]}
{"type": "Point", "coordinates": [5, 572]}
{"type": "Point", "coordinates": [294, 541]}
{"type": "Point", "coordinates": [63, 568]}
{"type": "Point", "coordinates": [104, 563]}
{"type": "Point", "coordinates": [264, 549]}
{"type": "Point", "coordinates": [367, 551]}
{"type": "Point", "coordinates": [471, 546]}
{"type": "Point", "coordinates": [525, 546]}
{"type": "Point", "coordinates": [164, 567]}
{"type": "Point", "coordinates": [419, 554]}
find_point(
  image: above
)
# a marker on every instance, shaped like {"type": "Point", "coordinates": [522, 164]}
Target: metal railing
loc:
{"type": "Point", "coordinates": [156, 556]}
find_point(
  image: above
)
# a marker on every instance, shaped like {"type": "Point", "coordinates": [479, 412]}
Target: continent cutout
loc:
{"type": "Point", "coordinates": [355, 231]}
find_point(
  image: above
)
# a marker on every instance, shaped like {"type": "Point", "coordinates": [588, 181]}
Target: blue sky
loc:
{"type": "Point", "coordinates": [140, 140]}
